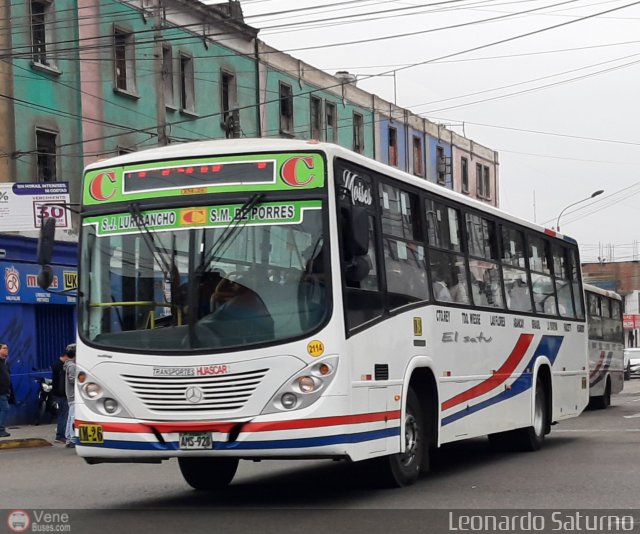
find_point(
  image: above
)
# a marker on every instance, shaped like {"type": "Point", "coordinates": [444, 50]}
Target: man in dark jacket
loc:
{"type": "Point", "coordinates": [5, 389]}
{"type": "Point", "coordinates": [58, 379]}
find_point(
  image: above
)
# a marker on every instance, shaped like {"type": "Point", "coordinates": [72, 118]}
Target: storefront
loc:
{"type": "Point", "coordinates": [36, 325]}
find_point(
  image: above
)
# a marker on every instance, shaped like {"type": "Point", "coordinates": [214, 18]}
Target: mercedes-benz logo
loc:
{"type": "Point", "coordinates": [194, 394]}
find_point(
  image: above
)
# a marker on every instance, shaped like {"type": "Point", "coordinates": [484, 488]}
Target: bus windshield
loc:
{"type": "Point", "coordinates": [206, 278]}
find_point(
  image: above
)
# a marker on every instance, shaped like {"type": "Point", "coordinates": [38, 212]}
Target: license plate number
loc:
{"type": "Point", "coordinates": [90, 434]}
{"type": "Point", "coordinates": [196, 440]}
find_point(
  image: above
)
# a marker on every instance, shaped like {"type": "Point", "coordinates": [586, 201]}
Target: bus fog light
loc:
{"type": "Point", "coordinates": [110, 405]}
{"type": "Point", "coordinates": [306, 384]}
{"type": "Point", "coordinates": [288, 400]}
{"type": "Point", "coordinates": [92, 390]}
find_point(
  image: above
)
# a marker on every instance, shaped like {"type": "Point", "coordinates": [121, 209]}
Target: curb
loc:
{"type": "Point", "coordinates": [24, 443]}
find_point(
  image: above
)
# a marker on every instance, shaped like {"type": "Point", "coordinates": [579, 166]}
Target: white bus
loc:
{"type": "Point", "coordinates": [259, 299]}
{"type": "Point", "coordinates": [606, 345]}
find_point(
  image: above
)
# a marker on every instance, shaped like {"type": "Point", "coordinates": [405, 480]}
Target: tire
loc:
{"type": "Point", "coordinates": [403, 469]}
{"type": "Point", "coordinates": [530, 438]}
{"type": "Point", "coordinates": [208, 474]}
{"type": "Point", "coordinates": [627, 372]}
{"type": "Point", "coordinates": [604, 401]}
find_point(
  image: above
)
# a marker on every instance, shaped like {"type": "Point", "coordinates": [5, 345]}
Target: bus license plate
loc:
{"type": "Point", "coordinates": [196, 440]}
{"type": "Point", "coordinates": [90, 434]}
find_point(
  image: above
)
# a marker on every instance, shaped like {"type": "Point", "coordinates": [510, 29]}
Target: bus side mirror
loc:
{"type": "Point", "coordinates": [359, 231]}
{"type": "Point", "coordinates": [45, 277]}
{"type": "Point", "coordinates": [46, 240]}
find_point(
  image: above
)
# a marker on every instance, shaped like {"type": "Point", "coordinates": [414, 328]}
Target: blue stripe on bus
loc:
{"type": "Point", "coordinates": [549, 346]}
{"type": "Point", "coordinates": [252, 445]}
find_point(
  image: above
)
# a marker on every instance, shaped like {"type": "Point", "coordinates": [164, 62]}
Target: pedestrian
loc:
{"type": "Point", "coordinates": [6, 391]}
{"type": "Point", "coordinates": [58, 390]}
{"type": "Point", "coordinates": [70, 382]}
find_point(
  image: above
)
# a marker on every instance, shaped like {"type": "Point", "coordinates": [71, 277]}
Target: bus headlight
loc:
{"type": "Point", "coordinates": [110, 406]}
{"type": "Point", "coordinates": [305, 387]}
{"type": "Point", "coordinates": [289, 400]}
{"type": "Point", "coordinates": [91, 390]}
{"type": "Point", "coordinates": [306, 384]}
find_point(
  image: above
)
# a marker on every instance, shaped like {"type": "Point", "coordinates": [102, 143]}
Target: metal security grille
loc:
{"type": "Point", "coordinates": [171, 394]}
{"type": "Point", "coordinates": [55, 329]}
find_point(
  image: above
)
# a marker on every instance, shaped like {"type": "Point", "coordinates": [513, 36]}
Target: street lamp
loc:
{"type": "Point", "coordinates": [594, 194]}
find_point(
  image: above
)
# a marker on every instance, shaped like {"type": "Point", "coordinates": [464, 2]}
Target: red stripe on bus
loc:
{"type": "Point", "coordinates": [596, 369]}
{"type": "Point", "coordinates": [321, 421]}
{"type": "Point", "coordinates": [500, 376]}
{"type": "Point", "coordinates": [226, 426]}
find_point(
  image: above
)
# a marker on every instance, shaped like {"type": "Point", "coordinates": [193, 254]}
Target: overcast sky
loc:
{"type": "Point", "coordinates": [561, 105]}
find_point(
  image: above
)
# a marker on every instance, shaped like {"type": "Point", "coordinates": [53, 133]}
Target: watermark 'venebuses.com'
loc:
{"type": "Point", "coordinates": [38, 521]}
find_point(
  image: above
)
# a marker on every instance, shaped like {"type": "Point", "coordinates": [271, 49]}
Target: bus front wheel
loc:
{"type": "Point", "coordinates": [403, 469]}
{"type": "Point", "coordinates": [208, 474]}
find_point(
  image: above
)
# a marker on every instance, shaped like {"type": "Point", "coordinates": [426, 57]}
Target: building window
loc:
{"type": "Point", "coordinates": [464, 175]}
{"type": "Point", "coordinates": [187, 87]}
{"type": "Point", "coordinates": [393, 147]}
{"type": "Point", "coordinates": [228, 103]}
{"type": "Point", "coordinates": [486, 179]}
{"type": "Point", "coordinates": [331, 124]}
{"type": "Point", "coordinates": [40, 28]}
{"type": "Point", "coordinates": [358, 133]}
{"type": "Point", "coordinates": [483, 181]}
{"type": "Point", "coordinates": [315, 112]}
{"type": "Point", "coordinates": [46, 156]}
{"type": "Point", "coordinates": [124, 60]}
{"type": "Point", "coordinates": [417, 156]}
{"type": "Point", "coordinates": [167, 75]}
{"type": "Point", "coordinates": [286, 108]}
{"type": "Point", "coordinates": [441, 165]}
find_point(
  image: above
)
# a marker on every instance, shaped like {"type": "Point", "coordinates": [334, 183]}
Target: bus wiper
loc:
{"type": "Point", "coordinates": [216, 250]}
{"type": "Point", "coordinates": [167, 268]}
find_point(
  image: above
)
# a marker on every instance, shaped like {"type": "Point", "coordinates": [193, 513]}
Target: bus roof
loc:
{"type": "Point", "coordinates": [603, 292]}
{"type": "Point", "coordinates": [222, 147]}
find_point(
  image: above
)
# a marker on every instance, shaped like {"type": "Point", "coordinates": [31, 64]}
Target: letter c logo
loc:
{"type": "Point", "coordinates": [102, 186]}
{"type": "Point", "coordinates": [290, 171]}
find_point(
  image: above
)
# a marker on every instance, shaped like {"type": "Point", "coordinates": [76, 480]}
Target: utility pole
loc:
{"type": "Point", "coordinates": [160, 74]}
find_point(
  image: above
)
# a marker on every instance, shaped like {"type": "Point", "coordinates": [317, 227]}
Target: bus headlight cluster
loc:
{"type": "Point", "coordinates": [98, 398]}
{"type": "Point", "coordinates": [304, 388]}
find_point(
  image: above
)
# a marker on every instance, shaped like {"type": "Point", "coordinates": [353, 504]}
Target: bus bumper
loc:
{"type": "Point", "coordinates": [307, 434]}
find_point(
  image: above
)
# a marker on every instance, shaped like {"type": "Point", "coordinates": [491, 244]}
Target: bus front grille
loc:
{"type": "Point", "coordinates": [195, 393]}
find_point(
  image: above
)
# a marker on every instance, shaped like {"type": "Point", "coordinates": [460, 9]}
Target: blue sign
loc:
{"type": "Point", "coordinates": [20, 284]}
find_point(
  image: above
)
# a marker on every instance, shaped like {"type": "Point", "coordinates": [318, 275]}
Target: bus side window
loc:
{"type": "Point", "coordinates": [363, 298]}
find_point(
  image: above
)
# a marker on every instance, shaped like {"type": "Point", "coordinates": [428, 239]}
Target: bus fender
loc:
{"type": "Point", "coordinates": [417, 362]}
{"type": "Point", "coordinates": [542, 361]}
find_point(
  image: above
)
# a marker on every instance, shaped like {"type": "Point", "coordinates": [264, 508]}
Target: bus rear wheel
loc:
{"type": "Point", "coordinates": [208, 474]}
{"type": "Point", "coordinates": [403, 469]}
{"type": "Point", "coordinates": [603, 401]}
{"type": "Point", "coordinates": [530, 438]}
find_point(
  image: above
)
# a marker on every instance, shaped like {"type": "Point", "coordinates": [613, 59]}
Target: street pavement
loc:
{"type": "Point", "coordinates": [29, 436]}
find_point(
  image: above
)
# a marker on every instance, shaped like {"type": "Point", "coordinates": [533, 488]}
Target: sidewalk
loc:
{"type": "Point", "coordinates": [29, 436]}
